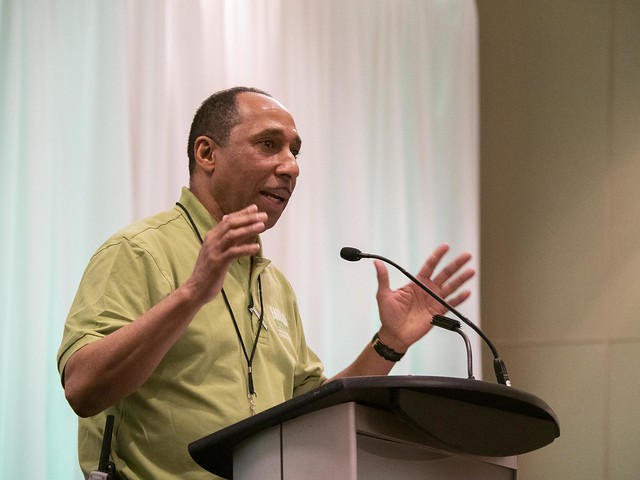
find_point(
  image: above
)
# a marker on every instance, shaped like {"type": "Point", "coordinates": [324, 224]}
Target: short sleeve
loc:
{"type": "Point", "coordinates": [121, 282]}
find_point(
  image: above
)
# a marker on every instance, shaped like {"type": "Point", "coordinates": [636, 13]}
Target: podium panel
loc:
{"type": "Point", "coordinates": [354, 442]}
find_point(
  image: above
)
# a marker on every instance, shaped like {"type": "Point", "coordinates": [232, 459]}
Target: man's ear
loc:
{"type": "Point", "coordinates": [203, 150]}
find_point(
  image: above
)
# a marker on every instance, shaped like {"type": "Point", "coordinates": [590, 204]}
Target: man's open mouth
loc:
{"type": "Point", "coordinates": [283, 197]}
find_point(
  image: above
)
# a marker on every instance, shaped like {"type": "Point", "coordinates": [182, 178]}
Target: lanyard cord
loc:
{"type": "Point", "coordinates": [249, 358]}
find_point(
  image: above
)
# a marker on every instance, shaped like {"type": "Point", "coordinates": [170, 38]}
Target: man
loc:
{"type": "Point", "coordinates": [181, 327]}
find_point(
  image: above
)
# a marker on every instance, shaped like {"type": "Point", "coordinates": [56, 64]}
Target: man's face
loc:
{"type": "Point", "coordinates": [258, 164]}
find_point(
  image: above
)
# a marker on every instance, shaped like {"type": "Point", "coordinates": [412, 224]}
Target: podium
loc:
{"type": "Point", "coordinates": [384, 427]}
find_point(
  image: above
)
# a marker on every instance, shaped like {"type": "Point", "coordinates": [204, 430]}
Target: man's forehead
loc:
{"type": "Point", "coordinates": [256, 103]}
{"type": "Point", "coordinates": [264, 113]}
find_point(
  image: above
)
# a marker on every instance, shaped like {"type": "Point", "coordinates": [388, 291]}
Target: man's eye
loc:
{"type": "Point", "coordinates": [270, 144]}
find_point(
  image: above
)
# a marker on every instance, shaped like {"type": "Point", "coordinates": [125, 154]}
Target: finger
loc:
{"type": "Point", "coordinates": [242, 233]}
{"type": "Point", "coordinates": [432, 262]}
{"type": "Point", "coordinates": [459, 298]}
{"type": "Point", "coordinates": [232, 243]}
{"type": "Point", "coordinates": [452, 268]}
{"type": "Point", "coordinates": [455, 283]}
{"type": "Point", "coordinates": [246, 216]}
{"type": "Point", "coordinates": [239, 227]}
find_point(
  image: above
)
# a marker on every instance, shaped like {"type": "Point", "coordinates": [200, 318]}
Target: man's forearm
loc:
{"type": "Point", "coordinates": [103, 372]}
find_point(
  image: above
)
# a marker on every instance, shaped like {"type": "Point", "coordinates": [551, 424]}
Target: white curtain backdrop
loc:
{"type": "Point", "coordinates": [96, 99]}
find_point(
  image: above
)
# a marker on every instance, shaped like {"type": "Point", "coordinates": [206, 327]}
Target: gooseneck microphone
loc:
{"type": "Point", "coordinates": [454, 326]}
{"type": "Point", "coordinates": [353, 255]}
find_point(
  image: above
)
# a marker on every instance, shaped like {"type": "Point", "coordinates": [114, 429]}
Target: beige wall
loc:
{"type": "Point", "coordinates": [560, 196]}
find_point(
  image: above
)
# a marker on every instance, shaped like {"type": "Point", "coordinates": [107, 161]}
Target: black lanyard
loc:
{"type": "Point", "coordinates": [252, 393]}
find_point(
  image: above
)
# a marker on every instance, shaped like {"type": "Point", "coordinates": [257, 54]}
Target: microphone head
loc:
{"type": "Point", "coordinates": [351, 254]}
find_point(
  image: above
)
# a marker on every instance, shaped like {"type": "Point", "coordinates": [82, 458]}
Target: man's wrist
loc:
{"type": "Point", "coordinates": [384, 350]}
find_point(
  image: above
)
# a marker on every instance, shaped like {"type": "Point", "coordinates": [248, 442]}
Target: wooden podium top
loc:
{"type": "Point", "coordinates": [456, 414]}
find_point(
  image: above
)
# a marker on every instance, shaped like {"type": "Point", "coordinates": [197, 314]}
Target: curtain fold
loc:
{"type": "Point", "coordinates": [96, 100]}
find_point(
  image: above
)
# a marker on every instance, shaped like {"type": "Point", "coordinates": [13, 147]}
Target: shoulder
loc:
{"type": "Point", "coordinates": [153, 234]}
{"type": "Point", "coordinates": [162, 246]}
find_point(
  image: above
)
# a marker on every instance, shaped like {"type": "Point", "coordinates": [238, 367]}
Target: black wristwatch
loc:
{"type": "Point", "coordinates": [384, 351]}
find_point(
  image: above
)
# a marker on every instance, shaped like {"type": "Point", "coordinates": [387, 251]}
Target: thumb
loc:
{"type": "Point", "coordinates": [383, 276]}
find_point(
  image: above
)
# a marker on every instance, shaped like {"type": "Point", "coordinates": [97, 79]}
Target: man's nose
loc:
{"type": "Point", "coordinates": [289, 165]}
